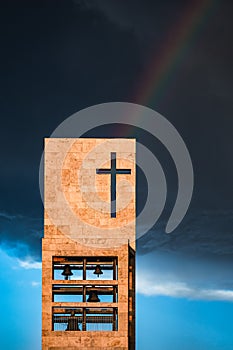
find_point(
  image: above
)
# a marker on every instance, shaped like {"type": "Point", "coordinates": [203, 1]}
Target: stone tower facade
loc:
{"type": "Point", "coordinates": [88, 249]}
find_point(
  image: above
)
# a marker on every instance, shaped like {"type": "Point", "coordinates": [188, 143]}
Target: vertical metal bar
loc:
{"type": "Point", "coordinates": [84, 269]}
{"type": "Point", "coordinates": [114, 320]}
{"type": "Point", "coordinates": [114, 269]}
{"type": "Point", "coordinates": [84, 294]}
{"type": "Point", "coordinates": [84, 319]}
{"type": "Point", "coordinates": [114, 294]}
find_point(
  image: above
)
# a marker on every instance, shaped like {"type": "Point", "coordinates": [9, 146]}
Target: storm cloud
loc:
{"type": "Point", "coordinates": [80, 53]}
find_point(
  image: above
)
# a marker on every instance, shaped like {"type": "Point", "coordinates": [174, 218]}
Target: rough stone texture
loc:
{"type": "Point", "coordinates": [77, 222]}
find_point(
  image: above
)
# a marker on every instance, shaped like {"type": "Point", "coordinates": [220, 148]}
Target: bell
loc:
{"type": "Point", "coordinates": [72, 322]}
{"type": "Point", "coordinates": [93, 297]}
{"type": "Point", "coordinates": [98, 270]}
{"type": "Point", "coordinates": [67, 272]}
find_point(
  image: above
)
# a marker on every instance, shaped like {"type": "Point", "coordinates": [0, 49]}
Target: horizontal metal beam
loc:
{"type": "Point", "coordinates": [84, 305]}
{"type": "Point", "coordinates": [79, 290]}
{"type": "Point", "coordinates": [89, 319]}
{"type": "Point", "coordinates": [86, 282]}
{"type": "Point", "coordinates": [90, 310]}
{"type": "Point", "coordinates": [80, 268]}
{"type": "Point", "coordinates": [78, 260]}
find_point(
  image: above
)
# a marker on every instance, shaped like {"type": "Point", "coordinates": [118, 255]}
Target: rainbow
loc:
{"type": "Point", "coordinates": [162, 69]}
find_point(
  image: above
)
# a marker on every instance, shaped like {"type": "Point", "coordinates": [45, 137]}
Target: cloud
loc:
{"type": "Point", "coordinates": [35, 284]}
{"type": "Point", "coordinates": [186, 271]}
{"type": "Point", "coordinates": [145, 18]}
{"type": "Point", "coordinates": [118, 12]}
{"type": "Point", "coordinates": [194, 262]}
{"type": "Point", "coordinates": [177, 289]}
{"type": "Point", "coordinates": [8, 216]}
{"type": "Point", "coordinates": [206, 69]}
{"type": "Point", "coordinates": [20, 235]}
{"type": "Point", "coordinates": [203, 233]}
{"type": "Point", "coordinates": [29, 264]}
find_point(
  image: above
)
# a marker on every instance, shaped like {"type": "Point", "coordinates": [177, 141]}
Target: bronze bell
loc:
{"type": "Point", "coordinates": [93, 297]}
{"type": "Point", "coordinates": [67, 272]}
{"type": "Point", "coordinates": [98, 270]}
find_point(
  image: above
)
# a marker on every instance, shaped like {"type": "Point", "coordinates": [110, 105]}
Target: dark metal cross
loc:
{"type": "Point", "coordinates": [113, 172]}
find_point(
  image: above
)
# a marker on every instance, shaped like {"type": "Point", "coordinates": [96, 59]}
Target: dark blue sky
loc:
{"type": "Point", "coordinates": [58, 57]}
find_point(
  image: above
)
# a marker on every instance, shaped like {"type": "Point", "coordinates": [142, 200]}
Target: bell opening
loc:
{"type": "Point", "coordinates": [98, 270]}
{"type": "Point", "coordinates": [72, 322]}
{"type": "Point", "coordinates": [93, 298]}
{"type": "Point", "coordinates": [67, 272]}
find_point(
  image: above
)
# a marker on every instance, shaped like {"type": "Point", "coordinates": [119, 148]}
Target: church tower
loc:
{"type": "Point", "coordinates": [88, 249]}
